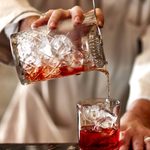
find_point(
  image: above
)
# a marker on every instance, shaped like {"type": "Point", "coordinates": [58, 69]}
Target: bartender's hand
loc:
{"type": "Point", "coordinates": [52, 17]}
{"type": "Point", "coordinates": [135, 126]}
{"type": "Point", "coordinates": [26, 23]}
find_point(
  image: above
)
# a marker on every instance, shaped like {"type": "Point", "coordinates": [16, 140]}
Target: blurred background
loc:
{"type": "Point", "coordinates": [8, 83]}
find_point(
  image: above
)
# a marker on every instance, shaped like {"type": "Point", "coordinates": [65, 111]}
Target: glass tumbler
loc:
{"type": "Point", "coordinates": [43, 54]}
{"type": "Point", "coordinates": [98, 124]}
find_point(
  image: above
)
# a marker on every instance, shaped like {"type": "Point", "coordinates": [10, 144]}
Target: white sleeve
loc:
{"type": "Point", "coordinates": [140, 78]}
{"type": "Point", "coordinates": [12, 9]}
{"type": "Point", "coordinates": [13, 26]}
{"type": "Point", "coordinates": [11, 12]}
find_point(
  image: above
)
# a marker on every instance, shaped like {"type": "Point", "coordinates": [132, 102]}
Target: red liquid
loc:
{"type": "Point", "coordinates": [106, 139]}
{"type": "Point", "coordinates": [47, 72]}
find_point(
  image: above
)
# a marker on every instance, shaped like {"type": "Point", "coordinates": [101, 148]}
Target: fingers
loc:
{"type": "Point", "coordinates": [100, 17]}
{"type": "Point", "coordinates": [147, 142]}
{"type": "Point", "coordinates": [52, 17]}
{"type": "Point", "coordinates": [42, 20]}
{"type": "Point", "coordinates": [56, 16]}
{"type": "Point", "coordinates": [147, 146]}
{"type": "Point", "coordinates": [137, 142]}
{"type": "Point", "coordinates": [125, 140]}
{"type": "Point", "coordinates": [135, 139]}
{"type": "Point", "coordinates": [77, 15]}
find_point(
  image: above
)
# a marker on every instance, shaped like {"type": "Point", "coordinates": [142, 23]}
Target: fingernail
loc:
{"type": "Point", "coordinates": [33, 25]}
{"type": "Point", "coordinates": [100, 24]}
{"type": "Point", "coordinates": [77, 19]}
{"type": "Point", "coordinates": [52, 25]}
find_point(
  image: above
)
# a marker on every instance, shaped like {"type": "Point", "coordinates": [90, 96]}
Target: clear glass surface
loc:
{"type": "Point", "coordinates": [42, 54]}
{"type": "Point", "coordinates": [98, 124]}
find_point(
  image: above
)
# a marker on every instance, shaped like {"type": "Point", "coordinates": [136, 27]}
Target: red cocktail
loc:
{"type": "Point", "coordinates": [98, 123]}
{"type": "Point", "coordinates": [105, 139]}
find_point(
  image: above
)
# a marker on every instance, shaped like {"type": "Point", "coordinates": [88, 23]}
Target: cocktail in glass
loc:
{"type": "Point", "coordinates": [98, 124]}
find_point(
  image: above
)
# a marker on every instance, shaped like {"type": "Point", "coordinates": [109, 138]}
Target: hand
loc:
{"type": "Point", "coordinates": [135, 125]}
{"type": "Point", "coordinates": [26, 23]}
{"type": "Point", "coordinates": [52, 17]}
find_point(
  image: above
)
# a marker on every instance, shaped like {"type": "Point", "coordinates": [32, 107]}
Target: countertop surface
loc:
{"type": "Point", "coordinates": [58, 146]}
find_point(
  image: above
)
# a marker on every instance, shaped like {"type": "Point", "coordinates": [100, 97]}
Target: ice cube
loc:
{"type": "Point", "coordinates": [60, 45]}
{"type": "Point", "coordinates": [91, 113]}
{"type": "Point", "coordinates": [101, 118]}
{"type": "Point", "coordinates": [106, 119]}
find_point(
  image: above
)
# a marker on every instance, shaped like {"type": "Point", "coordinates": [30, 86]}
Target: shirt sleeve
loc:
{"type": "Point", "coordinates": [11, 10]}
{"type": "Point", "coordinates": [140, 78]}
{"type": "Point", "coordinates": [13, 26]}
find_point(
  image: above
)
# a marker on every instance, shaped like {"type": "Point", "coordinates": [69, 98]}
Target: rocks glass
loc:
{"type": "Point", "coordinates": [98, 124]}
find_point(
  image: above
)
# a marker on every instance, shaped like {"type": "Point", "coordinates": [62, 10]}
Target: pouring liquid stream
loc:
{"type": "Point", "coordinates": [104, 68]}
{"type": "Point", "coordinates": [105, 71]}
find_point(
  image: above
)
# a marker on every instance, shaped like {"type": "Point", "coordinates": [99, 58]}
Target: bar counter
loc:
{"type": "Point", "coordinates": [43, 146]}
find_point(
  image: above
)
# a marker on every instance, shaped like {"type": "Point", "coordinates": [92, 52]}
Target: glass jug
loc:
{"type": "Point", "coordinates": [44, 54]}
